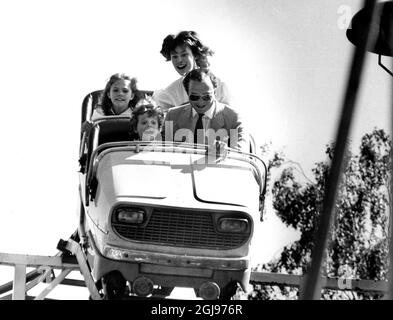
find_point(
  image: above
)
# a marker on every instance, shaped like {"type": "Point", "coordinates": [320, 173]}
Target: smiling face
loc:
{"type": "Point", "coordinates": [147, 127]}
{"type": "Point", "coordinates": [201, 94]}
{"type": "Point", "coordinates": [183, 60]}
{"type": "Point", "coordinates": [120, 94]}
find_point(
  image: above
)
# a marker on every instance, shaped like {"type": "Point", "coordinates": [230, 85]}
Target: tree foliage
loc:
{"type": "Point", "coordinates": [358, 240]}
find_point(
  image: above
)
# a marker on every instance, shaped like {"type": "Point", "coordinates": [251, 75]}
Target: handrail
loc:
{"type": "Point", "coordinates": [174, 146]}
{"type": "Point", "coordinates": [178, 147]}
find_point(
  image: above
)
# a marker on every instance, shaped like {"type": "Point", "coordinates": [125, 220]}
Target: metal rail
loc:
{"type": "Point", "coordinates": [265, 278]}
{"type": "Point", "coordinates": [45, 265]}
{"type": "Point", "coordinates": [290, 280]}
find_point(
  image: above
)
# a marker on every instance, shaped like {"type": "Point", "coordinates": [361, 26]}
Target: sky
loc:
{"type": "Point", "coordinates": [285, 62]}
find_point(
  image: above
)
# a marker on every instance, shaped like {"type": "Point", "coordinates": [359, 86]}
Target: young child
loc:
{"type": "Point", "coordinates": [118, 97]}
{"type": "Point", "coordinates": [186, 52]}
{"type": "Point", "coordinates": [146, 121]}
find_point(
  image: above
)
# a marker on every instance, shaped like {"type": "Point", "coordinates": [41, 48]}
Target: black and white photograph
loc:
{"type": "Point", "coordinates": [196, 150]}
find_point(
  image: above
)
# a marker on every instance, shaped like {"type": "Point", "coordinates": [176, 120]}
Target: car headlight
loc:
{"type": "Point", "coordinates": [130, 215]}
{"type": "Point", "coordinates": [232, 225]}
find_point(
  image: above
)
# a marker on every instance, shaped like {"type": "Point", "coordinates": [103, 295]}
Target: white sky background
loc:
{"type": "Point", "coordinates": [285, 62]}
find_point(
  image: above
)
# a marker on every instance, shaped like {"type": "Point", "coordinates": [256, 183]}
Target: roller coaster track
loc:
{"type": "Point", "coordinates": [73, 259]}
{"type": "Point", "coordinates": [70, 258]}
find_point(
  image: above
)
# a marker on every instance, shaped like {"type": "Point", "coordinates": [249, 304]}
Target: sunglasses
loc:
{"type": "Point", "coordinates": [207, 97]}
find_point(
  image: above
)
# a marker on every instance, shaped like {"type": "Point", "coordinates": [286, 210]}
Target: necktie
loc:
{"type": "Point", "coordinates": [199, 125]}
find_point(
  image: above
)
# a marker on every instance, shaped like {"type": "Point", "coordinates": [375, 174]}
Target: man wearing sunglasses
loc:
{"type": "Point", "coordinates": [204, 120]}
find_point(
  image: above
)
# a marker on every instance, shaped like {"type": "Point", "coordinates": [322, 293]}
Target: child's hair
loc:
{"type": "Point", "coordinates": [189, 38]}
{"type": "Point", "coordinates": [146, 105]}
{"type": "Point", "coordinates": [105, 102]}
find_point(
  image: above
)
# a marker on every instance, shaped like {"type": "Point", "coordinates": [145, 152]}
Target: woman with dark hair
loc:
{"type": "Point", "coordinates": [146, 121]}
{"type": "Point", "coordinates": [187, 52]}
{"type": "Point", "coordinates": [118, 98]}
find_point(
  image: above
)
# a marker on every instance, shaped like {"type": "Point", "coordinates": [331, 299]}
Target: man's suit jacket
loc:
{"type": "Point", "coordinates": [180, 123]}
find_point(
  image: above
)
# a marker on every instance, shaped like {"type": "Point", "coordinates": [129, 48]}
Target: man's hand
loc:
{"type": "Point", "coordinates": [218, 149]}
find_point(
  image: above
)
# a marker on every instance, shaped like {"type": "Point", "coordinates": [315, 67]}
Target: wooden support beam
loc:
{"type": "Point", "coordinates": [12, 259]}
{"type": "Point", "coordinates": [53, 284]}
{"type": "Point", "coordinates": [75, 248]}
{"type": "Point", "coordinates": [19, 287]}
{"type": "Point", "coordinates": [44, 276]}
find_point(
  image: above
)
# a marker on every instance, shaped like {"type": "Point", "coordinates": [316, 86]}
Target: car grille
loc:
{"type": "Point", "coordinates": [184, 229]}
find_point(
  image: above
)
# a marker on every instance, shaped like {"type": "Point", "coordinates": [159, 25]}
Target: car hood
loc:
{"type": "Point", "coordinates": [176, 179]}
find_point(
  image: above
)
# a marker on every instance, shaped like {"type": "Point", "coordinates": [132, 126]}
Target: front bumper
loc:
{"type": "Point", "coordinates": [217, 263]}
{"type": "Point", "coordinates": [169, 270]}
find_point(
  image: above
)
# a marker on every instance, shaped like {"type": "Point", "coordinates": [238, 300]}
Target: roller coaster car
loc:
{"type": "Point", "coordinates": [159, 215]}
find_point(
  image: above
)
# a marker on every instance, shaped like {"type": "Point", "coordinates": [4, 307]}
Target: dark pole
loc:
{"type": "Point", "coordinates": [312, 286]}
{"type": "Point", "coordinates": [389, 294]}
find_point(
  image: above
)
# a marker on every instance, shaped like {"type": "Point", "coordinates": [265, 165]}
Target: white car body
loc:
{"type": "Point", "coordinates": [188, 199]}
